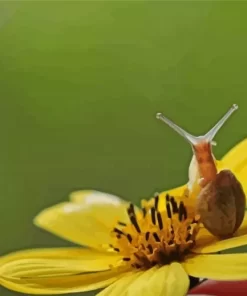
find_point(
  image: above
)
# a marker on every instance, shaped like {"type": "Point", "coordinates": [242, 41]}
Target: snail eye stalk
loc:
{"type": "Point", "coordinates": [208, 137]}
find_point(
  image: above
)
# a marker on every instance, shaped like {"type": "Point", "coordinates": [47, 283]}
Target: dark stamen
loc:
{"type": "Point", "coordinates": [183, 210]}
{"type": "Point", "coordinates": [167, 197]}
{"type": "Point", "coordinates": [135, 223]}
{"type": "Point", "coordinates": [118, 236]}
{"type": "Point", "coordinates": [147, 235]}
{"type": "Point", "coordinates": [180, 212]}
{"type": "Point", "coordinates": [150, 248]}
{"type": "Point", "coordinates": [143, 259]}
{"type": "Point", "coordinates": [137, 256]}
{"type": "Point", "coordinates": [116, 249]}
{"type": "Point", "coordinates": [160, 222]}
{"type": "Point", "coordinates": [131, 209]}
{"type": "Point", "coordinates": [126, 259]}
{"type": "Point", "coordinates": [118, 231]}
{"type": "Point", "coordinates": [188, 237]}
{"type": "Point", "coordinates": [156, 201]}
{"type": "Point", "coordinates": [129, 237]}
{"type": "Point", "coordinates": [156, 237]}
{"type": "Point", "coordinates": [137, 265]}
{"type": "Point", "coordinates": [174, 206]}
{"type": "Point", "coordinates": [153, 215]}
{"type": "Point", "coordinates": [144, 212]}
{"type": "Point", "coordinates": [122, 223]}
{"type": "Point", "coordinates": [168, 209]}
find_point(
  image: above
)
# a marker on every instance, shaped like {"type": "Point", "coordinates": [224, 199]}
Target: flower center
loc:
{"type": "Point", "coordinates": [153, 237]}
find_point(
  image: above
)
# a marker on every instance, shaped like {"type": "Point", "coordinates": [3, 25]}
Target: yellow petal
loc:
{"type": "Point", "coordinates": [81, 195]}
{"type": "Point", "coordinates": [218, 267]}
{"type": "Point", "coordinates": [64, 284]}
{"type": "Point", "coordinates": [236, 158]}
{"type": "Point", "coordinates": [168, 280]}
{"type": "Point", "coordinates": [86, 220]}
{"type": "Point", "coordinates": [207, 243]}
{"type": "Point", "coordinates": [242, 177]}
{"type": "Point", "coordinates": [177, 282]}
{"type": "Point", "coordinates": [143, 284]}
{"type": "Point", "coordinates": [54, 272]}
{"type": "Point", "coordinates": [119, 287]}
{"type": "Point", "coordinates": [61, 258]}
{"type": "Point", "coordinates": [236, 161]}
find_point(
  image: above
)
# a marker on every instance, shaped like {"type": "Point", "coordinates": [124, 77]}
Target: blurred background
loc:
{"type": "Point", "coordinates": [80, 84]}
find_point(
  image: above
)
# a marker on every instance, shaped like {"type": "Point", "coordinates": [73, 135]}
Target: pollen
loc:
{"type": "Point", "coordinates": [155, 238]}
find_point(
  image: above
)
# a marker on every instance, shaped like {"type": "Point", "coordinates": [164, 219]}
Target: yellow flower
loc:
{"type": "Point", "coordinates": [131, 251]}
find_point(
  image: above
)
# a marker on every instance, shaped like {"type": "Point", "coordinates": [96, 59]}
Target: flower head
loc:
{"type": "Point", "coordinates": [130, 251]}
{"type": "Point", "coordinates": [156, 238]}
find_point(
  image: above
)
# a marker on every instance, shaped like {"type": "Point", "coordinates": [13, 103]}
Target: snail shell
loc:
{"type": "Point", "coordinates": [221, 204]}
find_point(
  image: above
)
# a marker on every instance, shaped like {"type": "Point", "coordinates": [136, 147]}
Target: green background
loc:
{"type": "Point", "coordinates": [80, 84]}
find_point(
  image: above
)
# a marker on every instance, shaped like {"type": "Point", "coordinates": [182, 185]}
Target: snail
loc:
{"type": "Point", "coordinates": [220, 201]}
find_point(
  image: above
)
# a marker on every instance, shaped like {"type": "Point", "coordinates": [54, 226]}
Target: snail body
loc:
{"type": "Point", "coordinates": [221, 200]}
